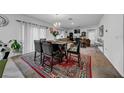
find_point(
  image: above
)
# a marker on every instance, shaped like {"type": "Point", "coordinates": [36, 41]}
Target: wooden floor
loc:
{"type": "Point", "coordinates": [101, 66]}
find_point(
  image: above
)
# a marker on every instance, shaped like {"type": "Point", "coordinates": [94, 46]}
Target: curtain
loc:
{"type": "Point", "coordinates": [29, 34]}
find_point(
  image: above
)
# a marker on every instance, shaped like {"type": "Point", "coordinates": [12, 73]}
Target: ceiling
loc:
{"type": "Point", "coordinates": [70, 20]}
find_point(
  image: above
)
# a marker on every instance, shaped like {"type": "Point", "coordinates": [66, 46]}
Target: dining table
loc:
{"type": "Point", "coordinates": [62, 42]}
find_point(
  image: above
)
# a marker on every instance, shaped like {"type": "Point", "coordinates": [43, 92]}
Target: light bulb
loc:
{"type": "Point", "coordinates": [72, 23]}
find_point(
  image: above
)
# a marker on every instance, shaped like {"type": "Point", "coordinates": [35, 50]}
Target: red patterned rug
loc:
{"type": "Point", "coordinates": [64, 69]}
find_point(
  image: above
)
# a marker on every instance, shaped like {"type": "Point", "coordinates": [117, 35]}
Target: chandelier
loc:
{"type": "Point", "coordinates": [57, 24]}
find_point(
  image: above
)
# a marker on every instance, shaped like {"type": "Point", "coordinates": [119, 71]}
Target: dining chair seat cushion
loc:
{"type": "Point", "coordinates": [73, 49]}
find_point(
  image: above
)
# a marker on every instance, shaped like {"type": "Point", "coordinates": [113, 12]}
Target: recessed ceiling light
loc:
{"type": "Point", "coordinates": [69, 18]}
{"type": "Point", "coordinates": [72, 23]}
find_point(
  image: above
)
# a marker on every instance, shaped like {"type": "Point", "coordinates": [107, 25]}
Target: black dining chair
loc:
{"type": "Point", "coordinates": [6, 55]}
{"type": "Point", "coordinates": [63, 49]}
{"type": "Point", "coordinates": [75, 50]}
{"type": "Point", "coordinates": [77, 40]}
{"type": "Point", "coordinates": [42, 40]}
{"type": "Point", "coordinates": [50, 51]}
{"type": "Point", "coordinates": [38, 50]}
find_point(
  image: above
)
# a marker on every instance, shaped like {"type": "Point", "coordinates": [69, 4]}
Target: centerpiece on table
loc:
{"type": "Point", "coordinates": [54, 32]}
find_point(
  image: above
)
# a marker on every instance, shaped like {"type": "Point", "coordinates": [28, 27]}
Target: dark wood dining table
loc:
{"type": "Point", "coordinates": [62, 44]}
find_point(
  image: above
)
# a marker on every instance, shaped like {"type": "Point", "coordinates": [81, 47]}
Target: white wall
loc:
{"type": "Point", "coordinates": [13, 30]}
{"type": "Point", "coordinates": [113, 40]}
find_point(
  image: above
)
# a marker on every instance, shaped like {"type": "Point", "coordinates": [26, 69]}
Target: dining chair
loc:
{"type": "Point", "coordinates": [71, 36]}
{"type": "Point", "coordinates": [42, 40]}
{"type": "Point", "coordinates": [38, 49]}
{"type": "Point", "coordinates": [75, 50]}
{"type": "Point", "coordinates": [48, 51]}
{"type": "Point", "coordinates": [6, 55]}
{"type": "Point", "coordinates": [63, 49]}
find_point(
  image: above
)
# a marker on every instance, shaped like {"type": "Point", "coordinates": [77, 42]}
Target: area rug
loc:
{"type": "Point", "coordinates": [65, 69]}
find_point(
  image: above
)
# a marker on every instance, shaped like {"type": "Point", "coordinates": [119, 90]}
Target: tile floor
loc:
{"type": "Point", "coordinates": [11, 70]}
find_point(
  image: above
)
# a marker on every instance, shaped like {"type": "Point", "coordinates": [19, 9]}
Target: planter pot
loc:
{"type": "Point", "coordinates": [16, 51]}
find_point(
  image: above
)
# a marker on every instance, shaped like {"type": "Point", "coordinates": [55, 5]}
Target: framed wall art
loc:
{"type": "Point", "coordinates": [3, 21]}
{"type": "Point", "coordinates": [101, 31]}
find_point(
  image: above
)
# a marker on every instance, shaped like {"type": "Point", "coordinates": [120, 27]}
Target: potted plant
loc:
{"type": "Point", "coordinates": [15, 45]}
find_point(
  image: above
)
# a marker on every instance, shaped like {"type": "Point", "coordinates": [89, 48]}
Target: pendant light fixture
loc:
{"type": "Point", "coordinates": [57, 24]}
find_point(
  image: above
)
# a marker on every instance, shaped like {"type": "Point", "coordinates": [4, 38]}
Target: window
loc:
{"type": "Point", "coordinates": [29, 34]}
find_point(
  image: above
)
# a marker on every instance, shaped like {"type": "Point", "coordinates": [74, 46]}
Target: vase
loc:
{"type": "Point", "coordinates": [54, 38]}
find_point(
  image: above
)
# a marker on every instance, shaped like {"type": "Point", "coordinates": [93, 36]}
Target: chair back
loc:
{"type": "Point", "coordinates": [6, 55]}
{"type": "Point", "coordinates": [78, 47]}
{"type": "Point", "coordinates": [38, 46]}
{"type": "Point", "coordinates": [71, 36]}
{"type": "Point", "coordinates": [47, 48]}
{"type": "Point", "coordinates": [77, 40]}
{"type": "Point", "coordinates": [77, 44]}
{"type": "Point", "coordinates": [42, 40]}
